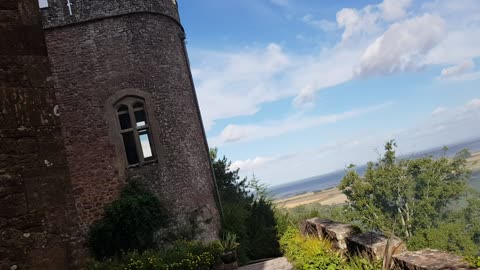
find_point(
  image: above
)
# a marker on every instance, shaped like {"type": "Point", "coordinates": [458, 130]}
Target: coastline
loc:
{"type": "Point", "coordinates": [333, 196]}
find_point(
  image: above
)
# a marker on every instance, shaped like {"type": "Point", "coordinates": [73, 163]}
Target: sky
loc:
{"type": "Point", "coordinates": [294, 89]}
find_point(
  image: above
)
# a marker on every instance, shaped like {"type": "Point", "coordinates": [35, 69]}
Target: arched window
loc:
{"type": "Point", "coordinates": [134, 128]}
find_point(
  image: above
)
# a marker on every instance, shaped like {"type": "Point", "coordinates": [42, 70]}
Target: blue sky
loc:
{"type": "Point", "coordinates": [292, 89]}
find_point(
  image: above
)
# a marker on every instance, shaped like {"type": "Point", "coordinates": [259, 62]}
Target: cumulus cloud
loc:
{"type": "Point", "coordinates": [246, 133]}
{"type": "Point", "coordinates": [237, 83]}
{"type": "Point", "coordinates": [357, 22]}
{"type": "Point", "coordinates": [403, 46]}
{"type": "Point", "coordinates": [390, 37]}
{"type": "Point", "coordinates": [394, 9]}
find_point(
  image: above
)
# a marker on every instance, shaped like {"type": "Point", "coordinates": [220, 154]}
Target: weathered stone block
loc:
{"type": "Point", "coordinates": [429, 259]}
{"type": "Point", "coordinates": [314, 226]}
{"type": "Point", "coordinates": [373, 244]}
{"type": "Point", "coordinates": [327, 229]}
{"type": "Point", "coordinates": [338, 233]}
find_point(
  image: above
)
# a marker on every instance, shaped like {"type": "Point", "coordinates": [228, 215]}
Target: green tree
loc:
{"type": "Point", "coordinates": [248, 211]}
{"type": "Point", "coordinates": [413, 194]}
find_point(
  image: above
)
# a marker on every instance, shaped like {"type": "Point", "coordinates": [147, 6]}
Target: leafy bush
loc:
{"type": "Point", "coordinates": [308, 253]}
{"type": "Point", "coordinates": [451, 237]}
{"type": "Point", "coordinates": [128, 224]}
{"type": "Point", "coordinates": [182, 256]}
{"type": "Point", "coordinates": [474, 261]}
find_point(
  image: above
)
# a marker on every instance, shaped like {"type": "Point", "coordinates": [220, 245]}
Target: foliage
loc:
{"type": "Point", "coordinates": [474, 261]}
{"type": "Point", "coordinates": [247, 211]}
{"type": "Point", "coordinates": [181, 256]}
{"type": "Point", "coordinates": [262, 231]}
{"type": "Point", "coordinates": [308, 253]}
{"type": "Point", "coordinates": [229, 242]}
{"type": "Point", "coordinates": [413, 192]}
{"type": "Point", "coordinates": [450, 236]}
{"type": "Point", "coordinates": [128, 223]}
{"type": "Point", "coordinates": [459, 231]}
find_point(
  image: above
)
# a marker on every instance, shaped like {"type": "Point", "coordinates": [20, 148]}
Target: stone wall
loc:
{"type": "Point", "coordinates": [37, 216]}
{"type": "Point", "coordinates": [108, 50]}
{"type": "Point", "coordinates": [349, 240]}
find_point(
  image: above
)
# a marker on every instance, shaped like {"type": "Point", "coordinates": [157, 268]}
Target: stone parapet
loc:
{"type": "Point", "coordinates": [429, 259]}
{"type": "Point", "coordinates": [348, 239]}
{"type": "Point", "coordinates": [374, 244]}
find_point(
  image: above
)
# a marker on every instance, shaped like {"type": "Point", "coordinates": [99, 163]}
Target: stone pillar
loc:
{"type": "Point", "coordinates": [35, 225]}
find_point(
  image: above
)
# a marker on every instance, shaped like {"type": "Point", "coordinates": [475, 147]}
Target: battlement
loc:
{"type": "Point", "coordinates": [66, 12]}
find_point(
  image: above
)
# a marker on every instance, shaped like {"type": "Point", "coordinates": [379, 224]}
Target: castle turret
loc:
{"type": "Point", "coordinates": [37, 214]}
{"type": "Point", "coordinates": [128, 107]}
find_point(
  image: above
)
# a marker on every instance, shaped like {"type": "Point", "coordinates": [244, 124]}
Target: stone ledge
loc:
{"type": "Point", "coordinates": [373, 244]}
{"type": "Point", "coordinates": [327, 229]}
{"type": "Point", "coordinates": [429, 259]}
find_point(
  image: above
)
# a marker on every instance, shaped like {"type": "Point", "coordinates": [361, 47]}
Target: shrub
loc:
{"type": "Point", "coordinates": [308, 253]}
{"type": "Point", "coordinates": [181, 256]}
{"type": "Point", "coordinates": [451, 237]}
{"type": "Point", "coordinates": [474, 261]}
{"type": "Point", "coordinates": [129, 223]}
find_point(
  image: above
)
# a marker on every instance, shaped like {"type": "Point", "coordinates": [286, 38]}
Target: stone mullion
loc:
{"type": "Point", "coordinates": [138, 145]}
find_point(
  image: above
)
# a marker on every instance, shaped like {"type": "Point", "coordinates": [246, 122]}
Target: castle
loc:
{"type": "Point", "coordinates": [103, 93]}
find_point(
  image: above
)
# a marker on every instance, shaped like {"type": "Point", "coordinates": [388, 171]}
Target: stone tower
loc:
{"type": "Point", "coordinates": [38, 225]}
{"type": "Point", "coordinates": [128, 107]}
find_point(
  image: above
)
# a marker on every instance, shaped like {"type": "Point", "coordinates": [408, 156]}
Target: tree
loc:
{"type": "Point", "coordinates": [412, 194]}
{"type": "Point", "coordinates": [247, 211]}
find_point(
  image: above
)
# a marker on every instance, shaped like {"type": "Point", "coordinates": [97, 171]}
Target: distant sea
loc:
{"type": "Point", "coordinates": [332, 179]}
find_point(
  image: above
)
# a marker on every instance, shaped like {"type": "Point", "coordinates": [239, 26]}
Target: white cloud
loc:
{"type": "Point", "coordinates": [458, 69]}
{"type": "Point", "coordinates": [446, 128]}
{"type": "Point", "coordinates": [251, 164]}
{"type": "Point", "coordinates": [394, 9]}
{"type": "Point", "coordinates": [439, 110]}
{"type": "Point", "coordinates": [357, 22]}
{"type": "Point", "coordinates": [474, 103]}
{"type": "Point", "coordinates": [305, 98]}
{"type": "Point", "coordinates": [246, 133]}
{"type": "Point", "coordinates": [403, 46]}
{"type": "Point", "coordinates": [324, 25]}
{"type": "Point", "coordinates": [382, 39]}
{"type": "Point", "coordinates": [234, 84]}
{"type": "Point", "coordinates": [237, 83]}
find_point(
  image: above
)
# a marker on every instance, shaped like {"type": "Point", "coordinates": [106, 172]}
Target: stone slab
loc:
{"type": "Point", "coordinates": [429, 259]}
{"type": "Point", "coordinates": [373, 244]}
{"type": "Point", "coordinates": [327, 229]}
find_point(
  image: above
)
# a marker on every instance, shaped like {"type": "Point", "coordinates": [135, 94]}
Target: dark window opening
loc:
{"type": "Point", "coordinates": [130, 149]}
{"type": "Point", "coordinates": [133, 122]}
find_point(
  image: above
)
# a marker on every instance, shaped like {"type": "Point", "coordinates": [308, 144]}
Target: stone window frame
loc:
{"type": "Point", "coordinates": [111, 106]}
{"type": "Point", "coordinates": [130, 106]}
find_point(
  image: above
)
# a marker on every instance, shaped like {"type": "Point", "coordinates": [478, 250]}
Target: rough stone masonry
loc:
{"type": "Point", "coordinates": [120, 105]}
